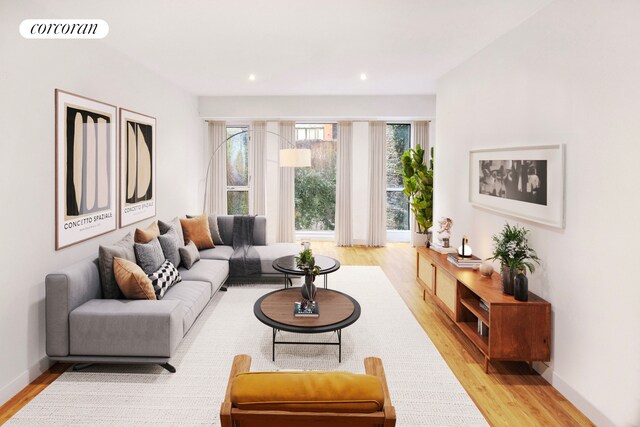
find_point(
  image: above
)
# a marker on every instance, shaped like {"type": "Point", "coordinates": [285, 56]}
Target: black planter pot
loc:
{"type": "Point", "coordinates": [521, 287]}
{"type": "Point", "coordinates": [308, 289]}
{"type": "Point", "coordinates": [508, 277]}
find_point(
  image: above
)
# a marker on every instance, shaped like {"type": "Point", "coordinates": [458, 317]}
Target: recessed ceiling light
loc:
{"type": "Point", "coordinates": [363, 76]}
{"type": "Point", "coordinates": [252, 77]}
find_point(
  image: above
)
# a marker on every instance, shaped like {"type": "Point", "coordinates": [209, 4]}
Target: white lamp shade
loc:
{"type": "Point", "coordinates": [295, 158]}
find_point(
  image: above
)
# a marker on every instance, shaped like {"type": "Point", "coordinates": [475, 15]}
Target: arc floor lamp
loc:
{"type": "Point", "coordinates": [288, 157]}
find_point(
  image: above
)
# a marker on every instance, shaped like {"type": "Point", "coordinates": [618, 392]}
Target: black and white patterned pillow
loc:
{"type": "Point", "coordinates": [164, 278]}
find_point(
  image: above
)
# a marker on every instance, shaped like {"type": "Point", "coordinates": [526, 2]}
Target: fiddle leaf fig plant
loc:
{"type": "Point", "coordinates": [306, 262]}
{"type": "Point", "coordinates": [417, 177]}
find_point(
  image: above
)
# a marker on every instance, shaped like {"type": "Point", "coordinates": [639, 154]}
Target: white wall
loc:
{"type": "Point", "coordinates": [30, 70]}
{"type": "Point", "coordinates": [568, 75]}
{"type": "Point", "coordinates": [352, 107]}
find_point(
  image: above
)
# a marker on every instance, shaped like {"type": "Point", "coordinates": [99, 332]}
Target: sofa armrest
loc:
{"type": "Point", "coordinates": [65, 291]}
{"type": "Point", "coordinates": [241, 364]}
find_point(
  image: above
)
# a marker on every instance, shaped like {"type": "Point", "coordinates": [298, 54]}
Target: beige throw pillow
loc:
{"type": "Point", "coordinates": [197, 230]}
{"type": "Point", "coordinates": [132, 281]}
{"type": "Point", "coordinates": [147, 234]}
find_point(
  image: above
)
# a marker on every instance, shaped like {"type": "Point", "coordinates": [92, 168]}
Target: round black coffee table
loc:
{"type": "Point", "coordinates": [337, 311]}
{"type": "Point", "coordinates": [287, 265]}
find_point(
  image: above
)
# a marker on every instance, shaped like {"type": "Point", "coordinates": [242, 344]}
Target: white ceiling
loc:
{"type": "Point", "coordinates": [302, 47]}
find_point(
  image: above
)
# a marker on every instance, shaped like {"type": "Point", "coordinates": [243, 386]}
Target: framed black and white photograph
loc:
{"type": "Point", "coordinates": [137, 167]}
{"type": "Point", "coordinates": [524, 182]}
{"type": "Point", "coordinates": [86, 137]}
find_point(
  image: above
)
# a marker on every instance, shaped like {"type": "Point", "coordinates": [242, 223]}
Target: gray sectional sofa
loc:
{"type": "Point", "coordinates": [82, 327]}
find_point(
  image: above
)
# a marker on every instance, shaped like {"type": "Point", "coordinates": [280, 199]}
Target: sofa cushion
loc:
{"type": "Point", "coordinates": [121, 249]}
{"type": "Point", "coordinates": [219, 252]}
{"type": "Point", "coordinates": [225, 226]}
{"type": "Point", "coordinates": [193, 296]}
{"type": "Point", "coordinates": [149, 256]}
{"type": "Point", "coordinates": [175, 223]}
{"type": "Point", "coordinates": [108, 327]}
{"type": "Point", "coordinates": [197, 230]}
{"type": "Point", "coordinates": [207, 270]}
{"type": "Point", "coordinates": [164, 278]}
{"type": "Point", "coordinates": [170, 243]}
{"type": "Point", "coordinates": [307, 391]}
{"type": "Point", "coordinates": [189, 255]}
{"type": "Point", "coordinates": [145, 235]}
{"type": "Point", "coordinates": [132, 281]}
{"type": "Point", "coordinates": [275, 250]}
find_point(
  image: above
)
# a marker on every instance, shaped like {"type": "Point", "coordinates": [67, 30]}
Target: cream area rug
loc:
{"type": "Point", "coordinates": [423, 389]}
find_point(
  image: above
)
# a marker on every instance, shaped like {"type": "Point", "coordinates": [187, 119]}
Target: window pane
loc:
{"type": "Point", "coordinates": [237, 202]}
{"type": "Point", "coordinates": [397, 211]}
{"type": "Point", "coordinates": [316, 186]}
{"type": "Point", "coordinates": [237, 158]}
{"type": "Point", "coordinates": [398, 141]}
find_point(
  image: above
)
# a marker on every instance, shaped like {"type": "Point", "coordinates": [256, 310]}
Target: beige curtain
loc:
{"type": "Point", "coordinates": [286, 211]}
{"type": "Point", "coordinates": [421, 137]}
{"type": "Point", "coordinates": [344, 233]}
{"type": "Point", "coordinates": [257, 168]}
{"type": "Point", "coordinates": [216, 184]}
{"type": "Point", "coordinates": [377, 233]}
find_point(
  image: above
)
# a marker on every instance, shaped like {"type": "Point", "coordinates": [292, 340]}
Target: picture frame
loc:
{"type": "Point", "coordinates": [137, 193]}
{"type": "Point", "coordinates": [523, 182]}
{"type": "Point", "coordinates": [85, 177]}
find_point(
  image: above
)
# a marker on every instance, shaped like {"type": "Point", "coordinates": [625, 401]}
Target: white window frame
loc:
{"type": "Point", "coordinates": [401, 235]}
{"type": "Point", "coordinates": [315, 234]}
{"type": "Point", "coordinates": [239, 188]}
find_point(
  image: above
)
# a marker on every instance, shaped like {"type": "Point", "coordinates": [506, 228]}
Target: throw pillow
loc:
{"type": "Point", "coordinates": [197, 230]}
{"type": "Point", "coordinates": [170, 244]}
{"type": "Point", "coordinates": [133, 282]}
{"type": "Point", "coordinates": [213, 228]}
{"type": "Point", "coordinates": [189, 255]}
{"type": "Point", "coordinates": [122, 249]}
{"type": "Point", "coordinates": [164, 278]}
{"type": "Point", "coordinates": [147, 234]}
{"type": "Point", "coordinates": [175, 223]}
{"type": "Point", "coordinates": [149, 256]}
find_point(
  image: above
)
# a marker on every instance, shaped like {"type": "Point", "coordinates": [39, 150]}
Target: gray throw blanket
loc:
{"type": "Point", "coordinates": [245, 260]}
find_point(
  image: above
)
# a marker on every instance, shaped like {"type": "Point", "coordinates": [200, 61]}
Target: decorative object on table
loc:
{"type": "Point", "coordinates": [417, 177]}
{"type": "Point", "coordinates": [525, 182]}
{"type": "Point", "coordinates": [85, 168]}
{"type": "Point", "coordinates": [306, 245]}
{"type": "Point", "coordinates": [444, 232]}
{"type": "Point", "coordinates": [429, 237]}
{"type": "Point", "coordinates": [137, 167]}
{"type": "Point", "coordinates": [464, 262]}
{"type": "Point", "coordinates": [521, 286]}
{"type": "Point", "coordinates": [511, 248]}
{"type": "Point", "coordinates": [307, 263]}
{"type": "Point", "coordinates": [486, 268]}
{"type": "Point", "coordinates": [306, 309]}
{"type": "Point", "coordinates": [288, 158]}
{"type": "Point", "coordinates": [464, 250]}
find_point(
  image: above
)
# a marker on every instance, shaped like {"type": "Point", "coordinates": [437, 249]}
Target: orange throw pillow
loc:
{"type": "Point", "coordinates": [147, 234]}
{"type": "Point", "coordinates": [132, 281]}
{"type": "Point", "coordinates": [197, 230]}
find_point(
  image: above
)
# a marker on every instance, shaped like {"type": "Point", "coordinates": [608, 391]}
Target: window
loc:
{"type": "Point", "coordinates": [398, 141]}
{"type": "Point", "coordinates": [237, 171]}
{"type": "Point", "coordinates": [316, 186]}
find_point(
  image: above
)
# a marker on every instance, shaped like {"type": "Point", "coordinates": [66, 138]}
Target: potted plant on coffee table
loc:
{"type": "Point", "coordinates": [306, 262]}
{"type": "Point", "coordinates": [511, 248]}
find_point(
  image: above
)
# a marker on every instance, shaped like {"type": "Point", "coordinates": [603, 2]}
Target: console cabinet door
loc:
{"type": "Point", "coordinates": [446, 291]}
{"type": "Point", "coordinates": [426, 271]}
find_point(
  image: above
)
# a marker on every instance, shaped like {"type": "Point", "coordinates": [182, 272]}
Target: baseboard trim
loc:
{"type": "Point", "coordinates": [24, 379]}
{"type": "Point", "coordinates": [593, 413]}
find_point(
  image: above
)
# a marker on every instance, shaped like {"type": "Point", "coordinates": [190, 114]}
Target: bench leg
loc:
{"type": "Point", "coordinates": [169, 367]}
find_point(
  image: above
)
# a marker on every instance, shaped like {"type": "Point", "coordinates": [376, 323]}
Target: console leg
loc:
{"type": "Point", "coordinates": [169, 367]}
{"type": "Point", "coordinates": [486, 365]}
{"type": "Point", "coordinates": [81, 366]}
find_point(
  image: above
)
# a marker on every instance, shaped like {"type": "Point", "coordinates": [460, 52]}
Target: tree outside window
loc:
{"type": "Point", "coordinates": [237, 171]}
{"type": "Point", "coordinates": [398, 141]}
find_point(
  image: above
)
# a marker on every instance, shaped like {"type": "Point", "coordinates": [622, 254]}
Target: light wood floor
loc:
{"type": "Point", "coordinates": [510, 395]}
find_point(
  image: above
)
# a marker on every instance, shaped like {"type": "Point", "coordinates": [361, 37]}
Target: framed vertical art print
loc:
{"type": "Point", "coordinates": [524, 182]}
{"type": "Point", "coordinates": [85, 168]}
{"type": "Point", "coordinates": [137, 167]}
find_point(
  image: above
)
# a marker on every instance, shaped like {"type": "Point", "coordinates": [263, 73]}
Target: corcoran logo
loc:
{"type": "Point", "coordinates": [64, 29]}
